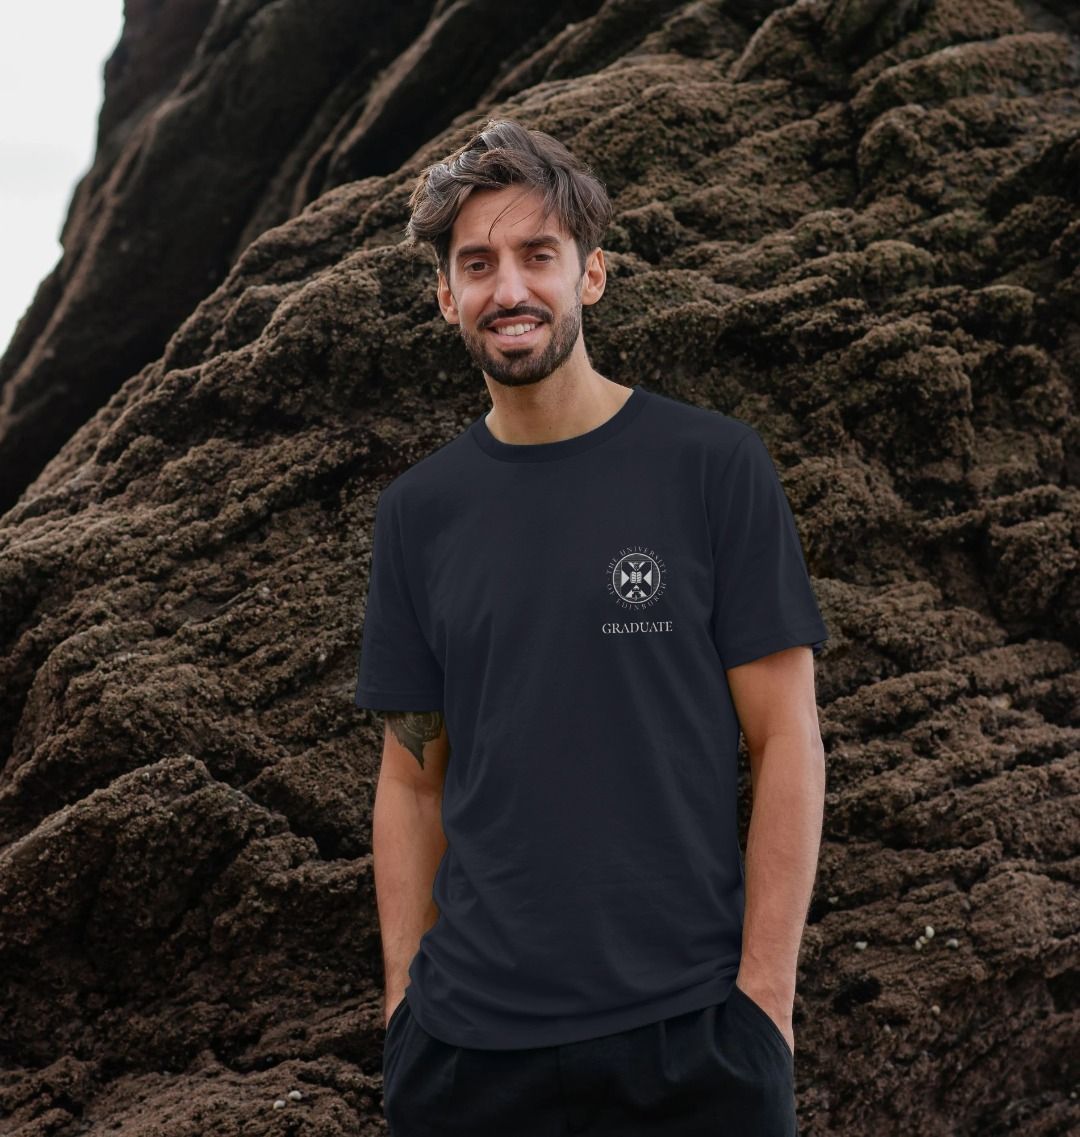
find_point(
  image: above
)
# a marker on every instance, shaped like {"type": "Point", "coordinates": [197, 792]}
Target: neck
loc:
{"type": "Point", "coordinates": [552, 409]}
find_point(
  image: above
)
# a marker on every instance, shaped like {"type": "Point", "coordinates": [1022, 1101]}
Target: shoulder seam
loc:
{"type": "Point", "coordinates": [735, 449]}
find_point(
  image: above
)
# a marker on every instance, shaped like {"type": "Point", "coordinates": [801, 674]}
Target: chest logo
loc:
{"type": "Point", "coordinates": [635, 576]}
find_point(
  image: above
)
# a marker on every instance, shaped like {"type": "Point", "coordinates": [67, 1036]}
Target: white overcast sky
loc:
{"type": "Point", "coordinates": [52, 61]}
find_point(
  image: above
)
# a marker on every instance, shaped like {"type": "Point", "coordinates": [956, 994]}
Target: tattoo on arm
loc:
{"type": "Point", "coordinates": [413, 728]}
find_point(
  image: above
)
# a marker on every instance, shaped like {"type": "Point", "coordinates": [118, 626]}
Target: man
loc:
{"type": "Point", "coordinates": [573, 607]}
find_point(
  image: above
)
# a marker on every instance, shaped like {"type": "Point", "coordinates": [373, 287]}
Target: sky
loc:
{"type": "Point", "coordinates": [52, 62]}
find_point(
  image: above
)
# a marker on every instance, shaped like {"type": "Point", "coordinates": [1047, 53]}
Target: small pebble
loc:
{"type": "Point", "coordinates": [919, 944]}
{"type": "Point", "coordinates": [860, 945]}
{"type": "Point", "coordinates": [888, 1029]}
{"type": "Point", "coordinates": [935, 1009]}
{"type": "Point", "coordinates": [279, 1104]}
{"type": "Point", "coordinates": [296, 1095]}
{"type": "Point", "coordinates": [834, 899]}
{"type": "Point", "coordinates": [952, 943]}
{"type": "Point", "coordinates": [929, 932]}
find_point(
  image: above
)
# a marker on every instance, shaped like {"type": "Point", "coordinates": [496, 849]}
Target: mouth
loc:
{"type": "Point", "coordinates": [506, 337]}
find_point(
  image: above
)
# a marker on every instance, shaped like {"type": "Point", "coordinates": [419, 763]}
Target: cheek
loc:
{"type": "Point", "coordinates": [470, 306]}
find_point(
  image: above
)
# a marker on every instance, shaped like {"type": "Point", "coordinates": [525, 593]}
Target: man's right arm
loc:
{"type": "Point", "coordinates": [407, 838]}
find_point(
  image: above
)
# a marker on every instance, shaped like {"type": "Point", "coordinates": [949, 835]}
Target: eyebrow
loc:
{"type": "Point", "coordinates": [527, 243]}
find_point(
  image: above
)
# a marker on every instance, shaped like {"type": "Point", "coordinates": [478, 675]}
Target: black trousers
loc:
{"type": "Point", "coordinates": [723, 1071]}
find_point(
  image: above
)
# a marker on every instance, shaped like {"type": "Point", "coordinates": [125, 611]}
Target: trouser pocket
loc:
{"type": "Point", "coordinates": [403, 1004]}
{"type": "Point", "coordinates": [392, 1037]}
{"type": "Point", "coordinates": [763, 1017]}
{"type": "Point", "coordinates": [755, 1074]}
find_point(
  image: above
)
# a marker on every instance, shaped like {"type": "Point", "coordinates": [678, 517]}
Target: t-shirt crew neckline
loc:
{"type": "Point", "coordinates": [564, 447]}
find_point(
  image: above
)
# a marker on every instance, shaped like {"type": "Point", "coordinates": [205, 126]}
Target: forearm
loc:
{"type": "Point", "coordinates": [407, 844]}
{"type": "Point", "coordinates": [782, 848]}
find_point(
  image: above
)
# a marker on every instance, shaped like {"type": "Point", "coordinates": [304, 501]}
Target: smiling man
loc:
{"type": "Point", "coordinates": [532, 342]}
{"type": "Point", "coordinates": [573, 609]}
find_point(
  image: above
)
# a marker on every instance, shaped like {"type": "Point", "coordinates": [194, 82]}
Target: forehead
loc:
{"type": "Point", "coordinates": [502, 217]}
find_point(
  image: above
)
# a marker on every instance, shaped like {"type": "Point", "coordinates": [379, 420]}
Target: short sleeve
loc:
{"type": "Point", "coordinates": [763, 601]}
{"type": "Point", "coordinates": [397, 668]}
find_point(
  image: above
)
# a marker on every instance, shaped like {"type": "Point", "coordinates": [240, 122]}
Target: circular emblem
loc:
{"type": "Point", "coordinates": [636, 576]}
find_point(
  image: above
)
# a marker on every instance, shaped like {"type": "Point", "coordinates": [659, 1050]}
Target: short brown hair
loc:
{"type": "Point", "coordinates": [504, 153]}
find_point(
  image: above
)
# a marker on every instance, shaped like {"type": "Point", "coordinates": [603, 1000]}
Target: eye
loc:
{"type": "Point", "coordinates": [483, 264]}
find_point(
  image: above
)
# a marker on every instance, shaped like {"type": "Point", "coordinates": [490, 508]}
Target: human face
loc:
{"type": "Point", "coordinates": [520, 268]}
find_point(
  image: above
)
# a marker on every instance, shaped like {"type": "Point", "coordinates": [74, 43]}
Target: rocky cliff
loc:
{"type": "Point", "coordinates": [852, 223]}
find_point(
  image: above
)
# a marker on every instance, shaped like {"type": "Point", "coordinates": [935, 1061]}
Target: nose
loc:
{"type": "Point", "coordinates": [510, 287]}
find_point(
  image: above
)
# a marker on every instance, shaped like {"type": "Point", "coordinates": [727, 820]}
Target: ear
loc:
{"type": "Point", "coordinates": [446, 301]}
{"type": "Point", "coordinates": [595, 277]}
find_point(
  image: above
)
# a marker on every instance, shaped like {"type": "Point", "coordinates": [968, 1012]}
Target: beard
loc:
{"type": "Point", "coordinates": [521, 366]}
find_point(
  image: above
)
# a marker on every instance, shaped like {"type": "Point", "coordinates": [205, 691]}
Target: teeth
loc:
{"type": "Point", "coordinates": [515, 329]}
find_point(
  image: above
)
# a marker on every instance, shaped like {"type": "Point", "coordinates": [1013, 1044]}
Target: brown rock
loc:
{"type": "Point", "coordinates": [855, 226]}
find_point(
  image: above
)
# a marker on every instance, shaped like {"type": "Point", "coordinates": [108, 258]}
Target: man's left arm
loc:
{"type": "Point", "coordinates": [775, 701]}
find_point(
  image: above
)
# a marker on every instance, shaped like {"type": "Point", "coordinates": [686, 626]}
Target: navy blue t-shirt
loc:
{"type": "Point", "coordinates": [571, 608]}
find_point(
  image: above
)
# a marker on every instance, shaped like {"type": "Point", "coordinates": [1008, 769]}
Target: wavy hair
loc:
{"type": "Point", "coordinates": [503, 154]}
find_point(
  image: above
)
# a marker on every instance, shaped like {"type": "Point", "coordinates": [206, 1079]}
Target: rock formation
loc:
{"type": "Point", "coordinates": [854, 224]}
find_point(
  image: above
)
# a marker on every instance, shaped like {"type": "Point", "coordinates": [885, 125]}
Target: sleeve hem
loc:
{"type": "Point", "coordinates": [398, 700]}
{"type": "Point", "coordinates": [812, 635]}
